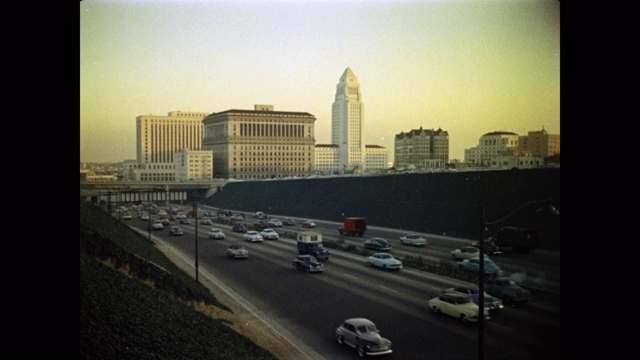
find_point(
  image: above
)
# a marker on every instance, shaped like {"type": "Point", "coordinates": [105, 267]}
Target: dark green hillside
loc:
{"type": "Point", "coordinates": [440, 203]}
{"type": "Point", "coordinates": [122, 317]}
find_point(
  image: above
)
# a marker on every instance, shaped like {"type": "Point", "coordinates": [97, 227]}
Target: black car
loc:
{"type": "Point", "coordinates": [307, 263]}
{"type": "Point", "coordinates": [288, 221]}
{"type": "Point", "coordinates": [490, 247]}
{"type": "Point", "coordinates": [239, 228]}
{"type": "Point", "coordinates": [377, 244]}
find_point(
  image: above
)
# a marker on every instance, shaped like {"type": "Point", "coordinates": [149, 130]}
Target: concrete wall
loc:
{"type": "Point", "coordinates": [439, 203]}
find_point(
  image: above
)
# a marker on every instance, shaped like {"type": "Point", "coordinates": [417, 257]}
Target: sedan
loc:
{"type": "Point", "coordinates": [216, 234]}
{"type": "Point", "coordinates": [466, 252]}
{"type": "Point", "coordinates": [288, 222]}
{"type": "Point", "coordinates": [176, 231]}
{"type": "Point", "coordinates": [253, 236]}
{"type": "Point", "coordinates": [308, 224]}
{"type": "Point", "coordinates": [459, 306]}
{"type": "Point", "coordinates": [127, 217]}
{"type": "Point", "coordinates": [236, 217]}
{"type": "Point", "coordinates": [269, 234]}
{"type": "Point", "coordinates": [237, 252]}
{"type": "Point", "coordinates": [274, 222]}
{"type": "Point", "coordinates": [473, 265]}
{"type": "Point", "coordinates": [490, 302]}
{"type": "Point", "coordinates": [362, 335]}
{"type": "Point", "coordinates": [157, 225]}
{"type": "Point", "coordinates": [385, 261]}
{"type": "Point", "coordinates": [239, 228]}
{"type": "Point", "coordinates": [206, 221]}
{"type": "Point", "coordinates": [413, 240]}
{"type": "Point", "coordinates": [307, 263]}
{"type": "Point", "coordinates": [377, 244]}
{"type": "Point", "coordinates": [185, 221]}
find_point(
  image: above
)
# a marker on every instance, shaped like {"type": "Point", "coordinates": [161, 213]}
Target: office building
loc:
{"type": "Point", "coordinates": [347, 123]}
{"type": "Point", "coordinates": [540, 143]}
{"type": "Point", "coordinates": [260, 143]}
{"type": "Point", "coordinates": [193, 165]}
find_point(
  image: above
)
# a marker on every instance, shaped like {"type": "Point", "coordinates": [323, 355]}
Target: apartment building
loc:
{"type": "Point", "coordinates": [421, 149]}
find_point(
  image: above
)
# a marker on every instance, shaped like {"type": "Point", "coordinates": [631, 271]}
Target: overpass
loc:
{"type": "Point", "coordinates": [133, 191]}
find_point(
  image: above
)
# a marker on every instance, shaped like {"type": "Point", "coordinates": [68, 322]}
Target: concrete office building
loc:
{"type": "Point", "coordinates": [540, 143]}
{"type": "Point", "coordinates": [421, 149]}
{"type": "Point", "coordinates": [347, 123]}
{"type": "Point", "coordinates": [158, 138]}
{"type": "Point", "coordinates": [490, 145]}
{"type": "Point", "coordinates": [348, 151]}
{"type": "Point", "coordinates": [260, 143]}
{"type": "Point", "coordinates": [193, 165]}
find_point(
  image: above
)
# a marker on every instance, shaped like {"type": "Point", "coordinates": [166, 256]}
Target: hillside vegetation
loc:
{"type": "Point", "coordinates": [135, 303]}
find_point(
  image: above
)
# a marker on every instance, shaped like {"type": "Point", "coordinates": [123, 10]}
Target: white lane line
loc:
{"type": "Point", "coordinates": [384, 287]}
{"type": "Point", "coordinates": [351, 276]}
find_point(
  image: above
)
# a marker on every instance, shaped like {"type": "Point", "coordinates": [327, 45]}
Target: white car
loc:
{"type": "Point", "coordinates": [413, 240]}
{"type": "Point", "coordinates": [269, 234]}
{"type": "Point", "coordinates": [385, 261]}
{"type": "Point", "coordinates": [216, 234]}
{"type": "Point", "coordinates": [466, 252]}
{"type": "Point", "coordinates": [460, 306]}
{"type": "Point", "coordinates": [237, 252]}
{"type": "Point", "coordinates": [253, 236]}
{"type": "Point", "coordinates": [274, 222]}
{"type": "Point", "coordinates": [157, 225]}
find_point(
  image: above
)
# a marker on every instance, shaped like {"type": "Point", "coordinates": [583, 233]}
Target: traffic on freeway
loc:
{"type": "Point", "coordinates": [312, 306]}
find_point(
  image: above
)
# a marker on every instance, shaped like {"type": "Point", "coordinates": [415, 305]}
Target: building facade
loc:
{"type": "Point", "coordinates": [376, 158]}
{"type": "Point", "coordinates": [490, 145]}
{"type": "Point", "coordinates": [540, 143]}
{"type": "Point", "coordinates": [193, 165]}
{"type": "Point", "coordinates": [158, 138]}
{"type": "Point", "coordinates": [347, 123]}
{"type": "Point", "coordinates": [260, 143]}
{"type": "Point", "coordinates": [421, 149]}
{"type": "Point", "coordinates": [327, 159]}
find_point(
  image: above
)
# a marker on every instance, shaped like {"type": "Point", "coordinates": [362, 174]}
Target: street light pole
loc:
{"type": "Point", "coordinates": [195, 211]}
{"type": "Point", "coordinates": [545, 204]}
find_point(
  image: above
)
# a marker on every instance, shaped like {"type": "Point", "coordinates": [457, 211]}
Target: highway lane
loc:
{"type": "Point", "coordinates": [311, 305]}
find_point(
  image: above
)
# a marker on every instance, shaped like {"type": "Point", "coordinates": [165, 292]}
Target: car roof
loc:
{"type": "Point", "coordinates": [359, 321]}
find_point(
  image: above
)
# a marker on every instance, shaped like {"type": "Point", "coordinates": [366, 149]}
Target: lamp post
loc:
{"type": "Point", "coordinates": [546, 204]}
{"type": "Point", "coordinates": [195, 211]}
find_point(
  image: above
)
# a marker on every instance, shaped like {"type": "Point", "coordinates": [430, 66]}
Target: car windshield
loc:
{"type": "Point", "coordinates": [385, 256]}
{"type": "Point", "coordinates": [367, 328]}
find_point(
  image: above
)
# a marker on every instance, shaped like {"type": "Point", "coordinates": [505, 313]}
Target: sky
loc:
{"type": "Point", "coordinates": [468, 67]}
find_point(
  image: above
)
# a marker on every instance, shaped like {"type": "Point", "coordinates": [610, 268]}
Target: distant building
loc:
{"type": "Point", "coordinates": [421, 149]}
{"type": "Point", "coordinates": [520, 161]}
{"type": "Point", "coordinates": [490, 145]}
{"type": "Point", "coordinates": [540, 143]}
{"type": "Point", "coordinates": [348, 151]}
{"type": "Point", "coordinates": [193, 165]}
{"type": "Point", "coordinates": [260, 143]}
{"type": "Point", "coordinates": [158, 138]}
{"type": "Point", "coordinates": [327, 159]}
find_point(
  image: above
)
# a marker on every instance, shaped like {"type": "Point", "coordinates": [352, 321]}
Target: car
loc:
{"type": "Point", "coordinates": [377, 244]}
{"type": "Point", "coordinates": [157, 225]}
{"type": "Point", "coordinates": [473, 265]}
{"type": "Point", "coordinates": [385, 261]}
{"type": "Point", "coordinates": [413, 240]}
{"type": "Point", "coordinates": [465, 252]}
{"type": "Point", "coordinates": [181, 216]}
{"type": "Point", "coordinates": [239, 228]}
{"type": "Point", "coordinates": [457, 305]}
{"type": "Point", "coordinates": [274, 222]}
{"type": "Point", "coordinates": [489, 246]}
{"type": "Point", "coordinates": [363, 335]}
{"type": "Point", "coordinates": [144, 217]}
{"type": "Point", "coordinates": [165, 221]}
{"type": "Point", "coordinates": [206, 221]}
{"type": "Point", "coordinates": [162, 213]}
{"type": "Point", "coordinates": [216, 234]}
{"type": "Point", "coordinates": [307, 263]}
{"type": "Point", "coordinates": [269, 234]}
{"type": "Point", "coordinates": [288, 221]}
{"type": "Point", "coordinates": [127, 217]}
{"type": "Point", "coordinates": [490, 302]}
{"type": "Point", "coordinates": [258, 214]}
{"type": "Point", "coordinates": [237, 252]}
{"type": "Point", "coordinates": [185, 221]}
{"type": "Point", "coordinates": [308, 224]}
{"type": "Point", "coordinates": [253, 236]}
{"type": "Point", "coordinates": [236, 217]}
{"type": "Point", "coordinates": [176, 231]}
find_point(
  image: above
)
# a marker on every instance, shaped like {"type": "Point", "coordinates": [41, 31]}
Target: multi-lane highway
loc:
{"type": "Point", "coordinates": [310, 306]}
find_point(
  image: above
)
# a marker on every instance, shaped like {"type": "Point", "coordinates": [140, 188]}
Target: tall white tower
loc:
{"type": "Point", "coordinates": [347, 123]}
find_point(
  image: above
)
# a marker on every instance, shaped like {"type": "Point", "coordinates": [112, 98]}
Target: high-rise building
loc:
{"type": "Point", "coordinates": [347, 123]}
{"type": "Point", "coordinates": [158, 138]}
{"type": "Point", "coordinates": [260, 143]}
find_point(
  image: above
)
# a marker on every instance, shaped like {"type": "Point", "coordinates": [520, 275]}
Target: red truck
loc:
{"type": "Point", "coordinates": [353, 226]}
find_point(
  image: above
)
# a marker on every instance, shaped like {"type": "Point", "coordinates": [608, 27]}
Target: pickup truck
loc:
{"type": "Point", "coordinates": [507, 290]}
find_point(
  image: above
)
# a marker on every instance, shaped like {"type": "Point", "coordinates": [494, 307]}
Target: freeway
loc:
{"type": "Point", "coordinates": [312, 305]}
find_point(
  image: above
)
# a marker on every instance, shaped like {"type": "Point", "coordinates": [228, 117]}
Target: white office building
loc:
{"type": "Point", "coordinates": [193, 165]}
{"type": "Point", "coordinates": [347, 123]}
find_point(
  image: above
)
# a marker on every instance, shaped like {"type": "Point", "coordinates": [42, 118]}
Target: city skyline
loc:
{"type": "Point", "coordinates": [466, 67]}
